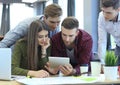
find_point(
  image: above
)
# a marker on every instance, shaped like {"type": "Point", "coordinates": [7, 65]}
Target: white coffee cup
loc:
{"type": "Point", "coordinates": [95, 67]}
{"type": "Point", "coordinates": [84, 68]}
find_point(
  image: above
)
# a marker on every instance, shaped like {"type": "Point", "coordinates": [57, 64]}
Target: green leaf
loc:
{"type": "Point", "coordinates": [110, 59]}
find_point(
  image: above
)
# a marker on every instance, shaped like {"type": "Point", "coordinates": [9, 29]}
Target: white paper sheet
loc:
{"type": "Point", "coordinates": [58, 80]}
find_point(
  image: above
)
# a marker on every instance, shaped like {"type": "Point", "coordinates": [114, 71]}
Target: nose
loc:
{"type": "Point", "coordinates": [56, 24]}
{"type": "Point", "coordinates": [44, 39]}
{"type": "Point", "coordinates": [67, 38]}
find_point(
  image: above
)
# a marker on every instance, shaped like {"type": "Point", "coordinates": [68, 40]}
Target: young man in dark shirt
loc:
{"type": "Point", "coordinates": [74, 43]}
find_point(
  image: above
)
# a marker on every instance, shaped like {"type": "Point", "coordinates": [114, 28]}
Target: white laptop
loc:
{"type": "Point", "coordinates": [56, 61]}
{"type": "Point", "coordinates": [5, 63]}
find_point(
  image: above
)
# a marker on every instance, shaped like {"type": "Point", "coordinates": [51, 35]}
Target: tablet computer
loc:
{"type": "Point", "coordinates": [56, 61]}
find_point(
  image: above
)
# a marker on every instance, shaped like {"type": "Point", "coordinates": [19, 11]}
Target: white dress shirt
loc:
{"type": "Point", "coordinates": [103, 27]}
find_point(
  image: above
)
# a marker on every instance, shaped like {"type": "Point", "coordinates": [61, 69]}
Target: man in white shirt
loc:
{"type": "Point", "coordinates": [51, 18]}
{"type": "Point", "coordinates": [109, 22]}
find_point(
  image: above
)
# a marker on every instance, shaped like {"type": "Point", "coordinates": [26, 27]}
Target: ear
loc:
{"type": "Point", "coordinates": [119, 9]}
{"type": "Point", "coordinates": [44, 18]}
{"type": "Point", "coordinates": [77, 32]}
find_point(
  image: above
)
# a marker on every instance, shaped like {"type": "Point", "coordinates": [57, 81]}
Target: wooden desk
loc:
{"type": "Point", "coordinates": [97, 83]}
{"type": "Point", "coordinates": [9, 83]}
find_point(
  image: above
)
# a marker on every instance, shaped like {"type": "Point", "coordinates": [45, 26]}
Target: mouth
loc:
{"type": "Point", "coordinates": [43, 43]}
{"type": "Point", "coordinates": [107, 19]}
{"type": "Point", "coordinates": [53, 28]}
{"type": "Point", "coordinates": [67, 43]}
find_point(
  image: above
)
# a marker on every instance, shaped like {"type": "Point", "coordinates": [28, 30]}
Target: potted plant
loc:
{"type": "Point", "coordinates": [110, 68]}
{"type": "Point", "coordinates": [110, 59]}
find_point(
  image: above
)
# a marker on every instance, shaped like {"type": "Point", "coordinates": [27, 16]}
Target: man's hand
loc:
{"type": "Point", "coordinates": [67, 70]}
{"type": "Point", "coordinates": [50, 69]}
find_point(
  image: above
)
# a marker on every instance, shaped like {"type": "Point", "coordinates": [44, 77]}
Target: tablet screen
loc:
{"type": "Point", "coordinates": [56, 61]}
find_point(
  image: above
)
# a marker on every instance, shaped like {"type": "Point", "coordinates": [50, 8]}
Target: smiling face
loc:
{"type": "Point", "coordinates": [110, 13]}
{"type": "Point", "coordinates": [68, 36]}
{"type": "Point", "coordinates": [42, 37]}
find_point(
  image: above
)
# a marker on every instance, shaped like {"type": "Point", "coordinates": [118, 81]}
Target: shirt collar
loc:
{"type": "Point", "coordinates": [119, 17]}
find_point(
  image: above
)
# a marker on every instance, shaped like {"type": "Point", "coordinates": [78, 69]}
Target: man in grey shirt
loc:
{"type": "Point", "coordinates": [51, 18]}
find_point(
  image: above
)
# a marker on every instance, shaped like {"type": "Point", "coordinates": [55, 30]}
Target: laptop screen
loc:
{"type": "Point", "coordinates": [5, 63]}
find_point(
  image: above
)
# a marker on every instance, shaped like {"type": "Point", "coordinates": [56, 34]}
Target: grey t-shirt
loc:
{"type": "Point", "coordinates": [70, 54]}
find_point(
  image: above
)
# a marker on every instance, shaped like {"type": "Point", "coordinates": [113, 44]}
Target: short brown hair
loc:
{"type": "Point", "coordinates": [53, 10]}
{"type": "Point", "coordinates": [70, 23]}
{"type": "Point", "coordinates": [110, 3]}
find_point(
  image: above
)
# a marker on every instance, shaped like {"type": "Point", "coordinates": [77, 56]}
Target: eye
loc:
{"type": "Point", "coordinates": [46, 35]}
{"type": "Point", "coordinates": [40, 36]}
{"type": "Point", "coordinates": [52, 21]}
{"type": "Point", "coordinates": [70, 35]}
{"type": "Point", "coordinates": [64, 34]}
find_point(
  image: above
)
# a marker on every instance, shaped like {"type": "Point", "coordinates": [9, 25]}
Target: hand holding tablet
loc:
{"type": "Point", "coordinates": [56, 61]}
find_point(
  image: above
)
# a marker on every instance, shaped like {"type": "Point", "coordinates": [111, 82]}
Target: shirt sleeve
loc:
{"type": "Point", "coordinates": [16, 61]}
{"type": "Point", "coordinates": [84, 54]}
{"type": "Point", "coordinates": [102, 38]}
{"type": "Point", "coordinates": [19, 31]}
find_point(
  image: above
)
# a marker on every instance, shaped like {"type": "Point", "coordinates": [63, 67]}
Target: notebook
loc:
{"type": "Point", "coordinates": [56, 61]}
{"type": "Point", "coordinates": [5, 63]}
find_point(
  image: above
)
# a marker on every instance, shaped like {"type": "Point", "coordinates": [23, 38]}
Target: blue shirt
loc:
{"type": "Point", "coordinates": [20, 31]}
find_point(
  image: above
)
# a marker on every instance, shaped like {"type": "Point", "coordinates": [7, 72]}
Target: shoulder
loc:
{"type": "Point", "coordinates": [21, 43]}
{"type": "Point", "coordinates": [57, 39]}
{"type": "Point", "coordinates": [57, 36]}
{"type": "Point", "coordinates": [101, 16]}
{"type": "Point", "coordinates": [84, 35]}
{"type": "Point", "coordinates": [30, 19]}
{"type": "Point", "coordinates": [119, 16]}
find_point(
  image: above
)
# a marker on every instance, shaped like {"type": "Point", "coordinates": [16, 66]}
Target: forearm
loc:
{"type": "Point", "coordinates": [19, 71]}
{"type": "Point", "coordinates": [102, 43]}
{"type": "Point", "coordinates": [43, 53]}
{"type": "Point", "coordinates": [102, 52]}
{"type": "Point", "coordinates": [9, 39]}
{"type": "Point", "coordinates": [31, 73]}
{"type": "Point", "coordinates": [76, 71]}
{"type": "Point", "coordinates": [19, 31]}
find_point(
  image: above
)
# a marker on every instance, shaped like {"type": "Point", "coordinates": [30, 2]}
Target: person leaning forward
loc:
{"type": "Point", "coordinates": [74, 43]}
{"type": "Point", "coordinates": [31, 53]}
{"type": "Point", "coordinates": [51, 18]}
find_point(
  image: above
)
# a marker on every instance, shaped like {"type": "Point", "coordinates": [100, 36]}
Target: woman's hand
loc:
{"type": "Point", "coordinates": [50, 69]}
{"type": "Point", "coordinates": [46, 44]}
{"type": "Point", "coordinates": [38, 74]}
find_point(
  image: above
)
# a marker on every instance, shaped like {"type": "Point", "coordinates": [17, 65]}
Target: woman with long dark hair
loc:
{"type": "Point", "coordinates": [30, 54]}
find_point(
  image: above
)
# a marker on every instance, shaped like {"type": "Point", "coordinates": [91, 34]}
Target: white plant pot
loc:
{"type": "Point", "coordinates": [110, 72]}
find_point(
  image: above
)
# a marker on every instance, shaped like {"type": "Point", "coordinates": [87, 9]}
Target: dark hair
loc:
{"type": "Point", "coordinates": [32, 43]}
{"type": "Point", "coordinates": [53, 10]}
{"type": "Point", "coordinates": [110, 3]}
{"type": "Point", "coordinates": [70, 23]}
